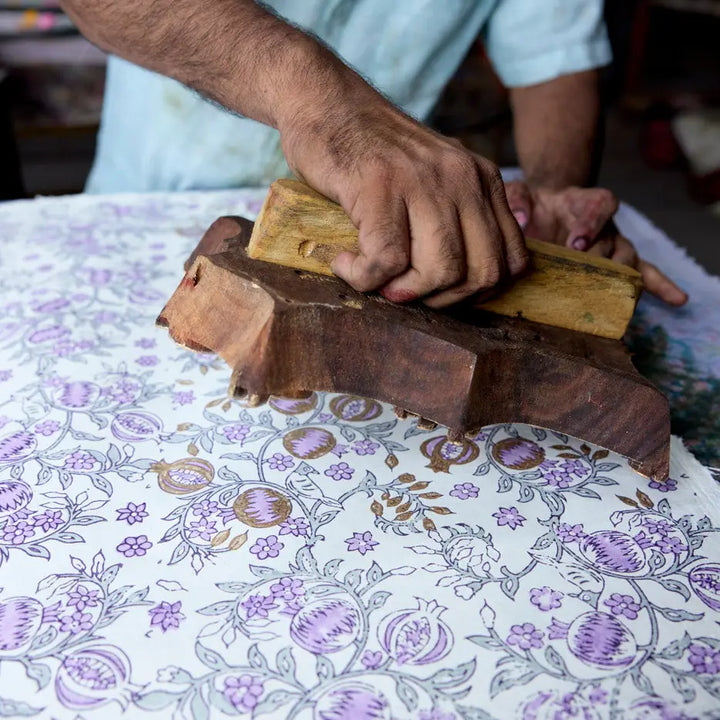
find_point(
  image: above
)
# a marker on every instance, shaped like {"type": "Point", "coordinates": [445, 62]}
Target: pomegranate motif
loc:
{"type": "Point", "coordinates": [309, 443]}
{"type": "Point", "coordinates": [135, 425]}
{"type": "Point", "coordinates": [599, 639]}
{"type": "Point", "coordinates": [551, 705]}
{"type": "Point", "coordinates": [14, 495]}
{"type": "Point", "coordinates": [20, 620]}
{"type": "Point", "coordinates": [262, 507]}
{"type": "Point", "coordinates": [614, 551]}
{"type": "Point", "coordinates": [76, 395]}
{"type": "Point", "coordinates": [93, 676]}
{"type": "Point", "coordinates": [518, 453]}
{"type": "Point", "coordinates": [290, 406]}
{"type": "Point", "coordinates": [416, 637]}
{"type": "Point", "coordinates": [472, 554]}
{"type": "Point", "coordinates": [443, 453]}
{"type": "Point", "coordinates": [183, 476]}
{"type": "Point", "coordinates": [354, 408]}
{"type": "Point", "coordinates": [352, 701]}
{"type": "Point", "coordinates": [325, 626]}
{"type": "Point", "coordinates": [705, 581]}
{"type": "Point", "coordinates": [17, 446]}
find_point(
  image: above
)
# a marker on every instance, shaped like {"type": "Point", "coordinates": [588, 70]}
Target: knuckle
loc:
{"type": "Point", "coordinates": [488, 276]}
{"type": "Point", "coordinates": [460, 163]}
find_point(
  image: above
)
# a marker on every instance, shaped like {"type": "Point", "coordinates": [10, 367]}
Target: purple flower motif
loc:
{"type": "Point", "coordinates": [76, 623]}
{"type": "Point", "coordinates": [82, 597]}
{"type": "Point", "coordinates": [556, 476]}
{"type": "Point", "coordinates": [509, 516]}
{"type": "Point", "coordinates": [658, 527]}
{"type": "Point", "coordinates": [268, 547]}
{"type": "Point", "coordinates": [525, 636]}
{"type": "Point", "coordinates": [183, 397]}
{"type": "Point", "coordinates": [295, 526]}
{"type": "Point", "coordinates": [243, 692]}
{"type": "Point", "coordinates": [365, 447]}
{"type": "Point", "coordinates": [134, 546]}
{"type": "Point", "coordinates": [132, 513]}
{"type": "Point", "coordinates": [340, 449]}
{"type": "Point", "coordinates": [670, 545]}
{"type": "Point", "coordinates": [5, 375]}
{"type": "Point", "coordinates": [202, 528]}
{"type": "Point", "coordinates": [465, 490]}
{"type": "Point", "coordinates": [205, 508]}
{"type": "Point", "coordinates": [436, 714]}
{"type": "Point", "coordinates": [704, 660]}
{"type": "Point", "coordinates": [570, 533]}
{"type": "Point", "coordinates": [624, 605]}
{"type": "Point", "coordinates": [371, 660]}
{"type": "Point", "coordinates": [287, 589]}
{"type": "Point", "coordinates": [18, 532]}
{"type": "Point", "coordinates": [340, 471]}
{"type": "Point", "coordinates": [47, 427]}
{"type": "Point", "coordinates": [166, 615]}
{"type": "Point", "coordinates": [148, 360]}
{"type": "Point", "coordinates": [278, 461]}
{"type": "Point", "coordinates": [598, 695]}
{"type": "Point", "coordinates": [668, 486]}
{"type": "Point", "coordinates": [236, 432]}
{"type": "Point", "coordinates": [545, 598]}
{"type": "Point", "coordinates": [644, 540]}
{"type": "Point", "coordinates": [123, 391]}
{"type": "Point", "coordinates": [258, 605]}
{"type": "Point", "coordinates": [104, 316]}
{"type": "Point", "coordinates": [48, 520]}
{"type": "Point", "coordinates": [145, 343]}
{"type": "Point", "coordinates": [361, 542]}
{"type": "Point", "coordinates": [575, 467]}
{"type": "Point", "coordinates": [80, 460]}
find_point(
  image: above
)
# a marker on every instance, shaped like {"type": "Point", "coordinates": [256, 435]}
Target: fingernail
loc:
{"type": "Point", "coordinates": [521, 217]}
{"type": "Point", "coordinates": [580, 243]}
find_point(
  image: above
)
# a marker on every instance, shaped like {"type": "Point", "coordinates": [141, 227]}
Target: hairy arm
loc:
{"type": "Point", "coordinates": [556, 127]}
{"type": "Point", "coordinates": [433, 219]}
{"type": "Point", "coordinates": [556, 136]}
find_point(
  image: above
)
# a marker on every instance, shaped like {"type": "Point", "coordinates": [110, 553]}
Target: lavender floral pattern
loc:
{"type": "Point", "coordinates": [166, 551]}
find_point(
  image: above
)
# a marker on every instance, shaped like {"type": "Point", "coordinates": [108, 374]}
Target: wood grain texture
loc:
{"type": "Point", "coordinates": [302, 229]}
{"type": "Point", "coordinates": [285, 332]}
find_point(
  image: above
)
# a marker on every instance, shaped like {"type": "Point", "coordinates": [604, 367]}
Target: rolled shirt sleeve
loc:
{"type": "Point", "coordinates": [533, 41]}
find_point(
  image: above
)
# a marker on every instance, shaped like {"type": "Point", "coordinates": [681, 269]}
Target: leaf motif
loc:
{"type": "Point", "coordinates": [683, 686]}
{"type": "Point", "coordinates": [403, 508]}
{"type": "Point", "coordinates": [430, 495]}
{"type": "Point", "coordinates": [286, 664]}
{"type": "Point", "coordinates": [555, 661]}
{"type": "Point", "coordinates": [678, 615]}
{"type": "Point", "coordinates": [645, 501]}
{"type": "Point", "coordinates": [586, 492]}
{"type": "Point", "coordinates": [218, 608]}
{"type": "Point", "coordinates": [482, 469]}
{"type": "Point", "coordinates": [600, 454]}
{"type": "Point", "coordinates": [573, 456]}
{"type": "Point", "coordinates": [198, 707]}
{"type": "Point", "coordinates": [210, 658]}
{"type": "Point", "coordinates": [156, 700]}
{"type": "Point", "coordinates": [391, 461]}
{"type": "Point", "coordinates": [452, 677]}
{"type": "Point", "coordinates": [220, 538]}
{"type": "Point", "coordinates": [192, 449]}
{"type": "Point", "coordinates": [40, 673]}
{"type": "Point", "coordinates": [418, 486]}
{"type": "Point", "coordinates": [406, 693]}
{"type": "Point", "coordinates": [273, 701]}
{"type": "Point", "coordinates": [441, 510]}
{"type": "Point", "coordinates": [406, 478]}
{"type": "Point", "coordinates": [179, 553]}
{"type": "Point", "coordinates": [485, 641]}
{"type": "Point", "coordinates": [378, 599]}
{"type": "Point", "coordinates": [256, 659]}
{"type": "Point", "coordinates": [324, 669]}
{"type": "Point", "coordinates": [392, 502]}
{"type": "Point", "coordinates": [512, 675]}
{"type": "Point", "coordinates": [39, 551]}
{"type": "Point", "coordinates": [642, 682]}
{"type": "Point", "coordinates": [627, 501]}
{"type": "Point", "coordinates": [238, 541]}
{"type": "Point", "coordinates": [403, 517]}
{"type": "Point", "coordinates": [428, 524]}
{"type": "Point", "coordinates": [376, 508]}
{"type": "Point", "coordinates": [374, 574]}
{"type": "Point", "coordinates": [674, 586]}
{"type": "Point", "coordinates": [585, 449]}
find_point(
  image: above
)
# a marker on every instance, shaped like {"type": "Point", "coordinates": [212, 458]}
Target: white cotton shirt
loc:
{"type": "Point", "coordinates": [156, 134]}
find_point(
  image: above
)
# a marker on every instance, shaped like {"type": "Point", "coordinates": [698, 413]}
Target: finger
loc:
{"type": "Point", "coordinates": [517, 256]}
{"type": "Point", "coordinates": [486, 265]}
{"type": "Point", "coordinates": [437, 252]}
{"type": "Point", "coordinates": [384, 244]}
{"type": "Point", "coordinates": [519, 201]}
{"type": "Point", "coordinates": [660, 285]}
{"type": "Point", "coordinates": [605, 247]}
{"type": "Point", "coordinates": [624, 252]}
{"type": "Point", "coordinates": [587, 211]}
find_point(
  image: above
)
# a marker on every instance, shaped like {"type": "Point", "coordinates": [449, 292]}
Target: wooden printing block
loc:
{"type": "Point", "coordinates": [287, 332]}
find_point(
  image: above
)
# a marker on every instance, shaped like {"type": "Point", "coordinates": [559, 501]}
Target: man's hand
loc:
{"type": "Point", "coordinates": [433, 218]}
{"type": "Point", "coordinates": [581, 218]}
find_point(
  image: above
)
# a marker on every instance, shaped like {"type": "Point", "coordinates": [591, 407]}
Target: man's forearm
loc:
{"type": "Point", "coordinates": [556, 129]}
{"type": "Point", "coordinates": [233, 51]}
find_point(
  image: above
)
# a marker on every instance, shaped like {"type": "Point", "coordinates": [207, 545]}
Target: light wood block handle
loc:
{"type": "Point", "coordinates": [300, 228]}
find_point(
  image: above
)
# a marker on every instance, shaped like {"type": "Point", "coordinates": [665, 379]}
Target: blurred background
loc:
{"type": "Point", "coordinates": [662, 146]}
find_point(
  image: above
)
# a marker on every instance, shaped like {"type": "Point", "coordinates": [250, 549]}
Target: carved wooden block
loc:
{"type": "Point", "coordinates": [287, 332]}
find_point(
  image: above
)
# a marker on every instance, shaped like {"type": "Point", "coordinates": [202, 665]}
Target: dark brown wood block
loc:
{"type": "Point", "coordinates": [285, 332]}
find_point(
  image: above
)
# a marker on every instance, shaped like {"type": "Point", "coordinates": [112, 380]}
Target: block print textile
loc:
{"type": "Point", "coordinates": [166, 552]}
